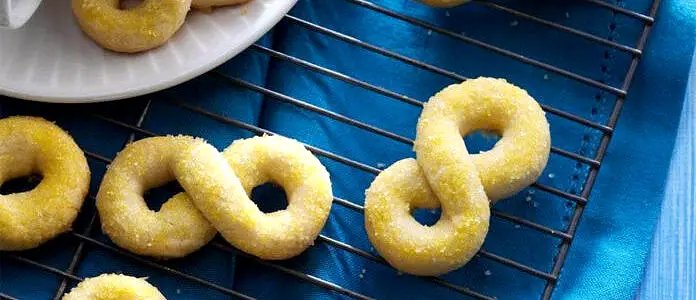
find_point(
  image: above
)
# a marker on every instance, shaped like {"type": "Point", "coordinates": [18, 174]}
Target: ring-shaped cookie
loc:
{"type": "Point", "coordinates": [517, 158]}
{"type": "Point", "coordinates": [411, 247]}
{"type": "Point", "coordinates": [220, 184]}
{"type": "Point", "coordinates": [114, 286]}
{"type": "Point", "coordinates": [177, 229]}
{"type": "Point", "coordinates": [147, 26]}
{"type": "Point", "coordinates": [31, 145]}
{"type": "Point", "coordinates": [445, 175]}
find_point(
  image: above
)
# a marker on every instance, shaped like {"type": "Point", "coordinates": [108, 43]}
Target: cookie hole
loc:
{"type": "Point", "coordinates": [20, 184]}
{"type": "Point", "coordinates": [426, 216]}
{"type": "Point", "coordinates": [156, 197]}
{"type": "Point", "coordinates": [269, 197]}
{"type": "Point", "coordinates": [129, 4]}
{"type": "Point", "coordinates": [481, 141]}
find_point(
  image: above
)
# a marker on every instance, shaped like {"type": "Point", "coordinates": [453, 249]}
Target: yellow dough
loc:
{"type": "Point", "coordinates": [114, 287]}
{"type": "Point", "coordinates": [445, 175]}
{"type": "Point", "coordinates": [177, 229]}
{"type": "Point", "coordinates": [208, 5]}
{"type": "Point", "coordinates": [411, 247]}
{"type": "Point", "coordinates": [217, 188]}
{"type": "Point", "coordinates": [515, 161]}
{"type": "Point", "coordinates": [32, 145]}
{"type": "Point", "coordinates": [144, 27]}
{"type": "Point", "coordinates": [221, 193]}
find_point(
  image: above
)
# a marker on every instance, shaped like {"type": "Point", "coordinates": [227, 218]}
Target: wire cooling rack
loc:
{"type": "Point", "coordinates": [84, 239]}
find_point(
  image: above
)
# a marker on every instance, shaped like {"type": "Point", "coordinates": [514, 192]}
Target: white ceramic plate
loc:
{"type": "Point", "coordinates": [51, 60]}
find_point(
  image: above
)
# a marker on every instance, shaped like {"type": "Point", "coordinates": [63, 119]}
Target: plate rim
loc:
{"type": "Point", "coordinates": [192, 73]}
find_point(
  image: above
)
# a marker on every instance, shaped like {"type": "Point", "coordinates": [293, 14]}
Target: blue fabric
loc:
{"type": "Point", "coordinates": [632, 180]}
{"type": "Point", "coordinates": [615, 235]}
{"type": "Point", "coordinates": [671, 271]}
{"type": "Point", "coordinates": [611, 243]}
{"type": "Point", "coordinates": [96, 136]}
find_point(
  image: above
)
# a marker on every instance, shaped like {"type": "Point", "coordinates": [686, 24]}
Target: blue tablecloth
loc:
{"type": "Point", "coordinates": [671, 271]}
{"type": "Point", "coordinates": [608, 255]}
{"type": "Point", "coordinates": [612, 242]}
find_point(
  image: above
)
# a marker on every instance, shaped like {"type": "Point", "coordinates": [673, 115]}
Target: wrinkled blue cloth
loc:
{"type": "Point", "coordinates": [611, 243]}
{"type": "Point", "coordinates": [671, 269]}
{"type": "Point", "coordinates": [608, 255]}
{"type": "Point", "coordinates": [96, 136]}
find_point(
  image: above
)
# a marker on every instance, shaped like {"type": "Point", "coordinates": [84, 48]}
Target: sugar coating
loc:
{"type": "Point", "coordinates": [414, 248]}
{"type": "Point", "coordinates": [220, 185]}
{"type": "Point", "coordinates": [444, 3]}
{"type": "Point", "coordinates": [114, 287]}
{"type": "Point", "coordinates": [444, 175]}
{"type": "Point", "coordinates": [177, 229]}
{"type": "Point", "coordinates": [34, 145]}
{"type": "Point", "coordinates": [217, 188]}
{"type": "Point", "coordinates": [516, 160]}
{"type": "Point", "coordinates": [144, 27]}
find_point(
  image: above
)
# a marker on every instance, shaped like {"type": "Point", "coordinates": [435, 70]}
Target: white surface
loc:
{"type": "Point", "coordinates": [51, 60]}
{"type": "Point", "coordinates": [15, 13]}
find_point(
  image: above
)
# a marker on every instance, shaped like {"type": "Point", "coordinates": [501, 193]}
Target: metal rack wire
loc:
{"type": "Point", "coordinates": [84, 237]}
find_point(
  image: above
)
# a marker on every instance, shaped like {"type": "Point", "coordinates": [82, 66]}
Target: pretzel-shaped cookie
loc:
{"type": "Point", "coordinates": [217, 188]}
{"type": "Point", "coordinates": [445, 175]}
{"type": "Point", "coordinates": [177, 229]}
